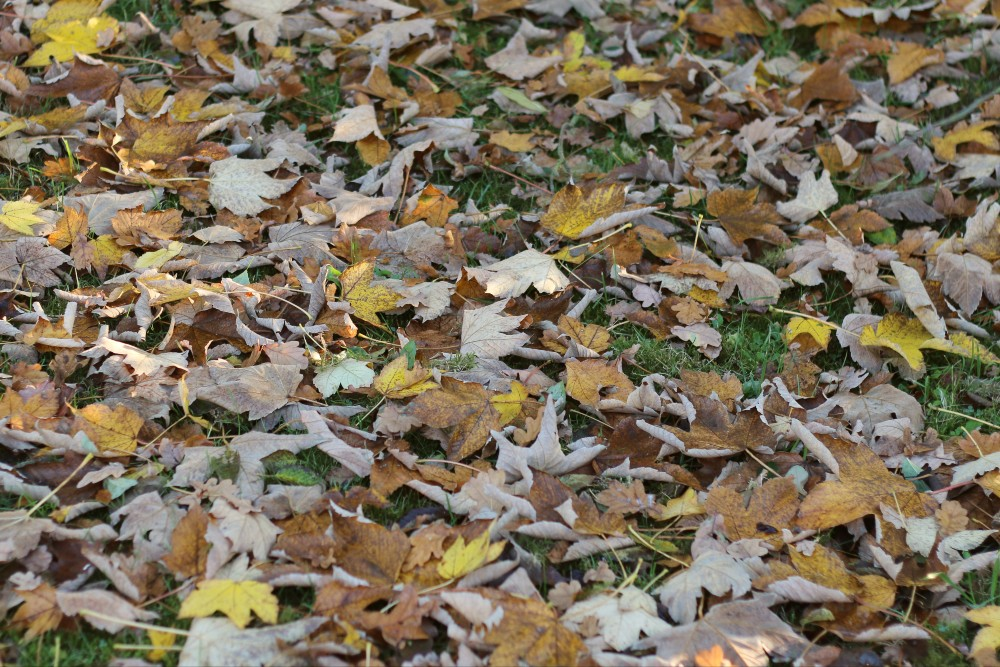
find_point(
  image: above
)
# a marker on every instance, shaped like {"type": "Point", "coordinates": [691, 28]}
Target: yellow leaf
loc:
{"type": "Point", "coordinates": [235, 599]}
{"type": "Point", "coordinates": [113, 430]}
{"type": "Point", "coordinates": [901, 335]}
{"type": "Point", "coordinates": [163, 641]}
{"type": "Point", "coordinates": [509, 405]}
{"type": "Point", "coordinates": [514, 142]}
{"type": "Point", "coordinates": [460, 559]}
{"type": "Point", "coordinates": [963, 345]}
{"type": "Point", "coordinates": [687, 504]}
{"type": "Point", "coordinates": [156, 259]}
{"type": "Point", "coordinates": [634, 74]}
{"type": "Point", "coordinates": [20, 216]}
{"type": "Point", "coordinates": [67, 39]}
{"type": "Point", "coordinates": [946, 147]}
{"type": "Point", "coordinates": [818, 331]}
{"type": "Point", "coordinates": [368, 300]}
{"type": "Point", "coordinates": [572, 211]}
{"type": "Point", "coordinates": [396, 381]}
{"type": "Point", "coordinates": [909, 59]}
{"type": "Point", "coordinates": [65, 11]}
{"type": "Point", "coordinates": [433, 207]}
{"type": "Point", "coordinates": [984, 646]}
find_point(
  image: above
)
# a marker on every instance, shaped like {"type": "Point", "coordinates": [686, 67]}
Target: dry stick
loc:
{"type": "Point", "coordinates": [961, 414]}
{"type": "Point", "coordinates": [518, 178]}
{"type": "Point", "coordinates": [134, 624]}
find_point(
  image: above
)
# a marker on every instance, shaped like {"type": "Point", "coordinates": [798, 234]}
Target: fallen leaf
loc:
{"type": "Point", "coordinates": [236, 599]}
{"type": "Point", "coordinates": [367, 298]}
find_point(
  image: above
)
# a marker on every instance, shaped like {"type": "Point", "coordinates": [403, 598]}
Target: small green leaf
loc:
{"type": "Point", "coordinates": [520, 99]}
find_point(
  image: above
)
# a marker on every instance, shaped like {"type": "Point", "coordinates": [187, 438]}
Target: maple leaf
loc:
{"type": "Point", "coordinates": [773, 504]}
{"type": "Point", "coordinates": [861, 486]}
{"type": "Point", "coordinates": [461, 558]}
{"type": "Point", "coordinates": [908, 338]}
{"type": "Point", "coordinates": [236, 599]}
{"type": "Point", "coordinates": [573, 211]}
{"type": "Point", "coordinates": [343, 373]}
{"type": "Point", "coordinates": [464, 407]}
{"type": "Point", "coordinates": [486, 331]}
{"type": "Point", "coordinates": [66, 39]}
{"type": "Point", "coordinates": [987, 640]}
{"type": "Point", "coordinates": [744, 219]}
{"type": "Point", "coordinates": [513, 276]}
{"type": "Point", "coordinates": [368, 299]}
{"type": "Point", "coordinates": [718, 573]}
{"type": "Point", "coordinates": [188, 546]}
{"type": "Point", "coordinates": [747, 631]}
{"type": "Point", "coordinates": [946, 147]}
{"type": "Point", "coordinates": [113, 430]}
{"type": "Point", "coordinates": [530, 632]}
{"type": "Point", "coordinates": [820, 332]}
{"type": "Point", "coordinates": [258, 390]}
{"type": "Point", "coordinates": [242, 185]}
{"type": "Point", "coordinates": [909, 59]}
{"type": "Point", "coordinates": [39, 612]}
{"type": "Point", "coordinates": [814, 196]}
{"type": "Point", "coordinates": [397, 380]}
{"type": "Point", "coordinates": [728, 19]}
{"type": "Point", "coordinates": [592, 380]}
{"type": "Point", "coordinates": [916, 297]}
{"type": "Point", "coordinates": [20, 216]}
{"type": "Point", "coordinates": [966, 278]}
{"type": "Point", "coordinates": [433, 207]}
{"type": "Point", "coordinates": [216, 642]}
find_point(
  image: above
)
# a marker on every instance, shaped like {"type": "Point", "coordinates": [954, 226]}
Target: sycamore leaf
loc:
{"type": "Point", "coordinates": [987, 641]}
{"type": "Point", "coordinates": [398, 381]}
{"type": "Point", "coordinates": [946, 147]}
{"type": "Point", "coordinates": [433, 206]}
{"type": "Point", "coordinates": [814, 197]}
{"type": "Point", "coordinates": [242, 185]}
{"type": "Point", "coordinates": [718, 573]}
{"type": "Point", "coordinates": [343, 374]}
{"type": "Point", "coordinates": [900, 334]}
{"type": "Point", "coordinates": [113, 430]}
{"type": "Point", "coordinates": [621, 618]}
{"type": "Point", "coordinates": [367, 299]}
{"type": "Point", "coordinates": [487, 332]}
{"type": "Point", "coordinates": [88, 36]}
{"type": "Point", "coordinates": [743, 218]}
{"type": "Point", "coordinates": [20, 216]}
{"type": "Point", "coordinates": [572, 210]}
{"type": "Point", "coordinates": [235, 599]}
{"type": "Point", "coordinates": [461, 558]}
{"type": "Point", "coordinates": [801, 326]}
{"type": "Point", "coordinates": [513, 276]}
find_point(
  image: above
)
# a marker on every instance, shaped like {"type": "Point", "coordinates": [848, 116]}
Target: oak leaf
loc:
{"type": "Point", "coordinates": [236, 599]}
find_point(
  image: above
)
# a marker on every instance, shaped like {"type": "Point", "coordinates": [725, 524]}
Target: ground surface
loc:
{"type": "Point", "coordinates": [461, 333]}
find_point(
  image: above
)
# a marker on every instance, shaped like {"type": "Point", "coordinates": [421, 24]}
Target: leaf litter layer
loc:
{"type": "Point", "coordinates": [553, 332]}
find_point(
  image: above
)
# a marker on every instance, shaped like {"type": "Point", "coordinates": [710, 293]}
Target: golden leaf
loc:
{"type": "Point", "coordinates": [235, 599]}
{"type": "Point", "coordinates": [802, 326]}
{"type": "Point", "coordinates": [20, 216]}
{"type": "Point", "coordinates": [572, 211]}
{"type": "Point", "coordinates": [460, 559]}
{"type": "Point", "coordinates": [397, 381]}
{"type": "Point", "coordinates": [433, 207]}
{"type": "Point", "coordinates": [909, 59]}
{"type": "Point", "coordinates": [113, 430]}
{"type": "Point", "coordinates": [901, 335]}
{"type": "Point", "coordinates": [984, 646]}
{"type": "Point", "coordinates": [945, 148]}
{"type": "Point", "coordinates": [368, 300]}
{"type": "Point", "coordinates": [88, 36]}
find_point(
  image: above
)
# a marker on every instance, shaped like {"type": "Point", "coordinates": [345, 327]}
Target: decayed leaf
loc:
{"type": "Point", "coordinates": [236, 599]}
{"type": "Point", "coordinates": [621, 618]}
{"type": "Point", "coordinates": [729, 18]}
{"type": "Point", "coordinates": [242, 185]}
{"type": "Point", "coordinates": [39, 612]}
{"type": "Point", "coordinates": [113, 430]}
{"type": "Point", "coordinates": [466, 408]}
{"type": "Point", "coordinates": [918, 300]}
{"type": "Point", "coordinates": [216, 642]}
